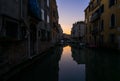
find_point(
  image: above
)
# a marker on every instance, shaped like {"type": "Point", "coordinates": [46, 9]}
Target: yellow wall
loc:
{"type": "Point", "coordinates": [106, 15]}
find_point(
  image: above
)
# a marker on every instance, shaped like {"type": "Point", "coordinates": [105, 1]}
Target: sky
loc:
{"type": "Point", "coordinates": [71, 11]}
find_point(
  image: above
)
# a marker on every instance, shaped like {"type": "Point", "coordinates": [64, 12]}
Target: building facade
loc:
{"type": "Point", "coordinates": [40, 29]}
{"type": "Point", "coordinates": [54, 23]}
{"type": "Point", "coordinates": [26, 29]}
{"type": "Point", "coordinates": [13, 36]}
{"type": "Point", "coordinates": [102, 18]}
{"type": "Point", "coordinates": [60, 33]}
{"type": "Point", "coordinates": [78, 32]}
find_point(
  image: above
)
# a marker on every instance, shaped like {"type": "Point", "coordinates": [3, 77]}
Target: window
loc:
{"type": "Point", "coordinates": [98, 1]}
{"type": "Point", "coordinates": [48, 3]}
{"type": "Point", "coordinates": [90, 18]}
{"type": "Point", "coordinates": [112, 38]}
{"type": "Point", "coordinates": [90, 30]}
{"type": "Point", "coordinates": [111, 3]}
{"type": "Point", "coordinates": [48, 19]}
{"type": "Point", "coordinates": [85, 20]}
{"type": "Point", "coordinates": [102, 26]}
{"type": "Point", "coordinates": [89, 9]}
{"type": "Point", "coordinates": [112, 21]}
{"type": "Point", "coordinates": [42, 14]}
{"type": "Point", "coordinates": [102, 9]}
{"type": "Point", "coordinates": [23, 9]}
{"type": "Point", "coordinates": [101, 40]}
{"type": "Point", "coordinates": [92, 6]}
{"type": "Point", "coordinates": [11, 29]}
{"type": "Point", "coordinates": [43, 36]}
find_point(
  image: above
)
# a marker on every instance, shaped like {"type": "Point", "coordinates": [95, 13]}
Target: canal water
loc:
{"type": "Point", "coordinates": [73, 64]}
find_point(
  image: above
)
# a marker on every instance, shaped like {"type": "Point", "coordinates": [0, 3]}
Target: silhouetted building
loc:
{"type": "Point", "coordinates": [27, 28]}
{"type": "Point", "coordinates": [13, 31]}
{"type": "Point", "coordinates": [54, 21]}
{"type": "Point", "coordinates": [102, 18]}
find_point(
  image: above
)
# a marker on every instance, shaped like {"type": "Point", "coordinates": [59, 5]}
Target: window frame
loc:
{"type": "Point", "coordinates": [112, 21]}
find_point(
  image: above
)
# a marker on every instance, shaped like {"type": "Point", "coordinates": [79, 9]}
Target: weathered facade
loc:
{"type": "Point", "coordinates": [60, 32]}
{"type": "Point", "coordinates": [27, 28]}
{"type": "Point", "coordinates": [54, 21]}
{"type": "Point", "coordinates": [102, 18]}
{"type": "Point", "coordinates": [13, 41]}
{"type": "Point", "coordinates": [40, 29]}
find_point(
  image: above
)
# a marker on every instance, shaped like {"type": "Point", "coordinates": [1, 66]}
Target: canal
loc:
{"type": "Point", "coordinates": [73, 64]}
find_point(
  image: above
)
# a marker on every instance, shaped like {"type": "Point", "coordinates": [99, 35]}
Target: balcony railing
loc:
{"type": "Point", "coordinates": [95, 16]}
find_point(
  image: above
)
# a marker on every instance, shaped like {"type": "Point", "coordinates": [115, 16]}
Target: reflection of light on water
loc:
{"type": "Point", "coordinates": [69, 69]}
{"type": "Point", "coordinates": [66, 55]}
{"type": "Point", "coordinates": [67, 50]}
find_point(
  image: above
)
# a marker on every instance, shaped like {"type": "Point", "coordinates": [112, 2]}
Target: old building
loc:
{"type": "Point", "coordinates": [40, 29]}
{"type": "Point", "coordinates": [60, 33]}
{"type": "Point", "coordinates": [102, 18]}
{"type": "Point", "coordinates": [27, 28]}
{"type": "Point", "coordinates": [78, 32]}
{"type": "Point", "coordinates": [54, 21]}
{"type": "Point", "coordinates": [13, 26]}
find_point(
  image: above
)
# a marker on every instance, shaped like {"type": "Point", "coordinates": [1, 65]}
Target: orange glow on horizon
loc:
{"type": "Point", "coordinates": [66, 29]}
{"type": "Point", "coordinates": [67, 50]}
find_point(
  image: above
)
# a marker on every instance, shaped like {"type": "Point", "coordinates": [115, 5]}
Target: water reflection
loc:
{"type": "Point", "coordinates": [45, 69]}
{"type": "Point", "coordinates": [78, 55]}
{"type": "Point", "coordinates": [69, 69]}
{"type": "Point", "coordinates": [73, 64]}
{"type": "Point", "coordinates": [102, 66]}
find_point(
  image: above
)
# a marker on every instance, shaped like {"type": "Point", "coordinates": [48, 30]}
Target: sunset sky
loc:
{"type": "Point", "coordinates": [71, 11]}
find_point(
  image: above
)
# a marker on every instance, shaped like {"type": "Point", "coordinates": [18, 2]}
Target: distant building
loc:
{"type": "Point", "coordinates": [103, 23]}
{"type": "Point", "coordinates": [66, 36]}
{"type": "Point", "coordinates": [78, 32]}
{"type": "Point", "coordinates": [60, 33]}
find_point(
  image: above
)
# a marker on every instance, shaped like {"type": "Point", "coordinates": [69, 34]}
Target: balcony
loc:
{"type": "Point", "coordinates": [95, 16]}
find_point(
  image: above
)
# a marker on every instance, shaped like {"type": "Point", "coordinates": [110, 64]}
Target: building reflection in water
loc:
{"type": "Point", "coordinates": [70, 70]}
{"type": "Point", "coordinates": [102, 66]}
{"type": "Point", "coordinates": [73, 64]}
{"type": "Point", "coordinates": [45, 70]}
{"type": "Point", "coordinates": [78, 55]}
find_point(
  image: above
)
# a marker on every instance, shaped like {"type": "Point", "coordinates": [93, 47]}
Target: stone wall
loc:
{"type": "Point", "coordinates": [14, 52]}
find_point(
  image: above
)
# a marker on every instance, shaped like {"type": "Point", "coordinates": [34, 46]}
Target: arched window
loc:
{"type": "Point", "coordinates": [111, 3]}
{"type": "Point", "coordinates": [112, 21]}
{"type": "Point", "coordinates": [102, 25]}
